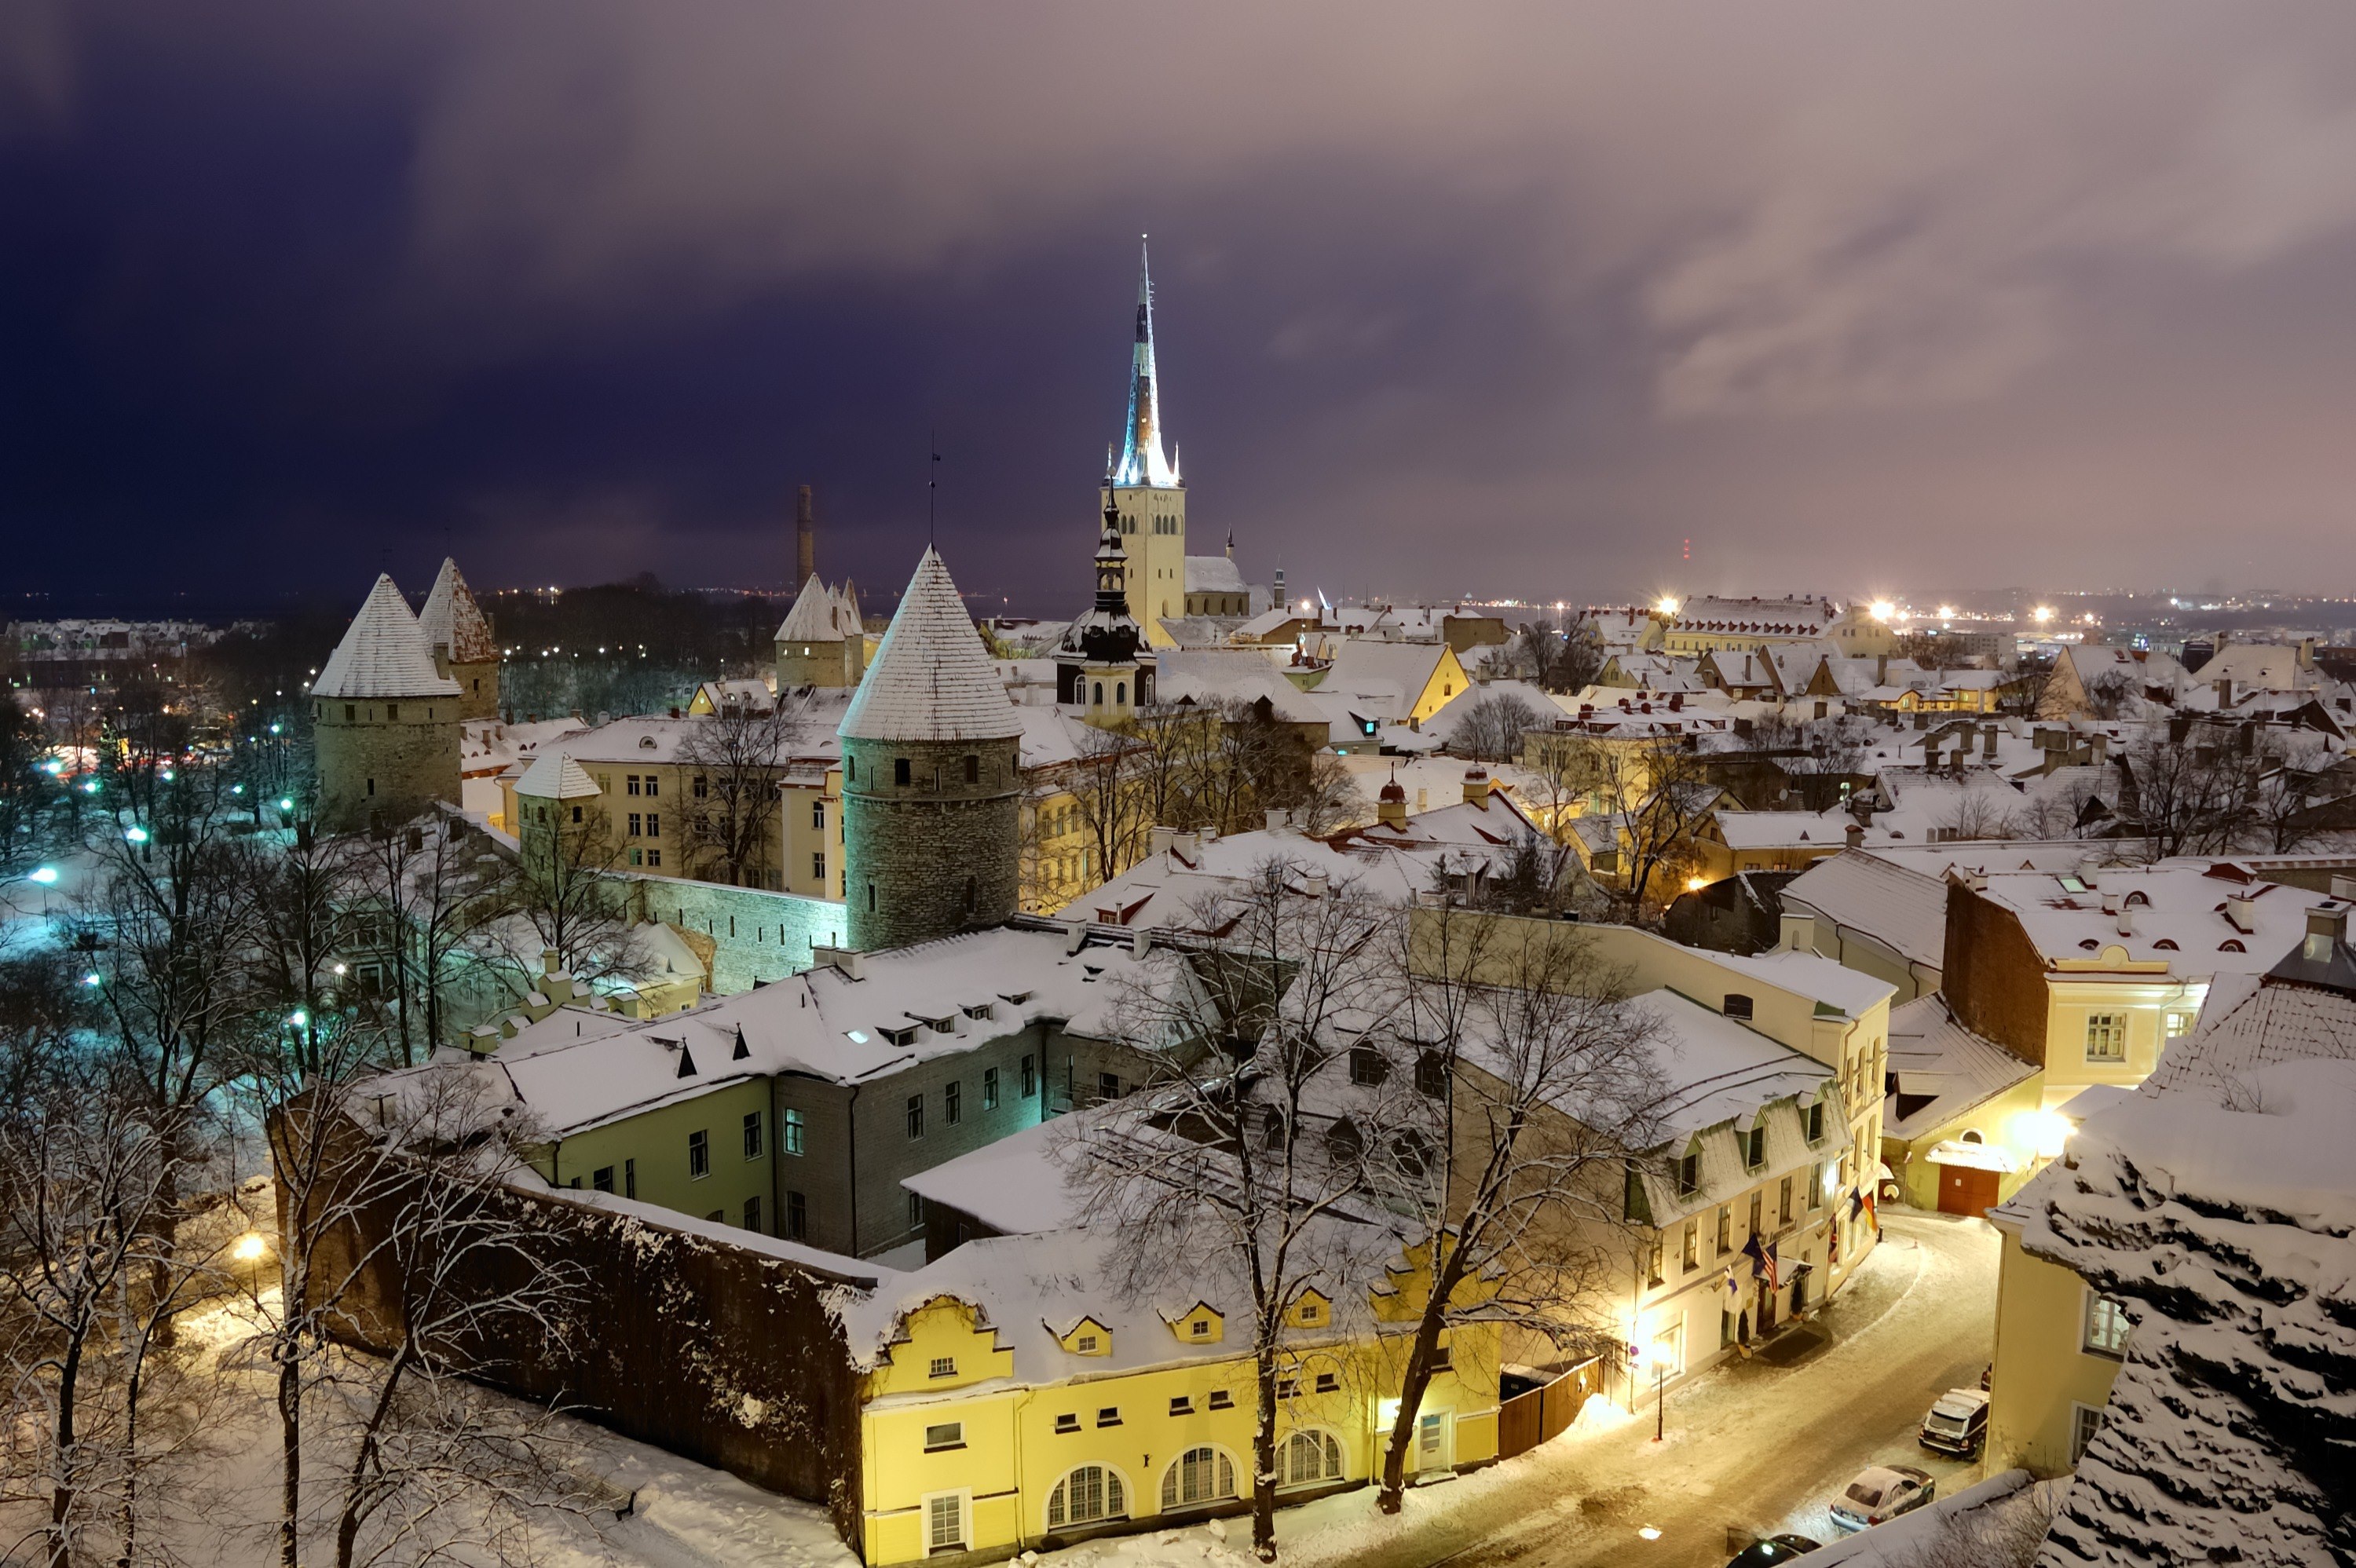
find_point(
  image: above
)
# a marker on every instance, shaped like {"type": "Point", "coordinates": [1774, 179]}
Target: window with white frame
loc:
{"type": "Point", "coordinates": [1088, 1494]}
{"type": "Point", "coordinates": [2106, 1327]}
{"type": "Point", "coordinates": [2175, 1025]}
{"type": "Point", "coordinates": [945, 1522]}
{"type": "Point", "coordinates": [2106, 1037]}
{"type": "Point", "coordinates": [1308, 1457]}
{"type": "Point", "coordinates": [943, 1434]}
{"type": "Point", "coordinates": [2086, 1420]}
{"type": "Point", "coordinates": [1203, 1475]}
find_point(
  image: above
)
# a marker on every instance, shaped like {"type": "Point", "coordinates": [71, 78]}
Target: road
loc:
{"type": "Point", "coordinates": [1752, 1448]}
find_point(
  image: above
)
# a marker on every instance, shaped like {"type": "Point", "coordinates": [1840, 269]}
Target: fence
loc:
{"type": "Point", "coordinates": [1528, 1419]}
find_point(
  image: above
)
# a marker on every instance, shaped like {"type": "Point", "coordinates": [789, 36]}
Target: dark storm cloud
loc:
{"type": "Point", "coordinates": [1479, 298]}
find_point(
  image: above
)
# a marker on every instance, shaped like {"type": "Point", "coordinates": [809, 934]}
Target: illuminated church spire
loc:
{"type": "Point", "coordinates": [1142, 461]}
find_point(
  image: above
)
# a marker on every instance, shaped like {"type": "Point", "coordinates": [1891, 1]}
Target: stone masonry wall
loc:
{"type": "Point", "coordinates": [938, 855]}
{"type": "Point", "coordinates": [412, 759]}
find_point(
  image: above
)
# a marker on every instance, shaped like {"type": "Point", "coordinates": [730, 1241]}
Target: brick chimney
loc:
{"type": "Point", "coordinates": [1476, 787]}
{"type": "Point", "coordinates": [1390, 805]}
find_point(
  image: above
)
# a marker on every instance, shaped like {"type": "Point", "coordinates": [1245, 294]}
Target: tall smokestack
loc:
{"type": "Point", "coordinates": [805, 539]}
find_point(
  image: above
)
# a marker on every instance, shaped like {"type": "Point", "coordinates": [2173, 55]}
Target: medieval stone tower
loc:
{"type": "Point", "coordinates": [459, 633]}
{"type": "Point", "coordinates": [384, 720]}
{"type": "Point", "coordinates": [931, 791]}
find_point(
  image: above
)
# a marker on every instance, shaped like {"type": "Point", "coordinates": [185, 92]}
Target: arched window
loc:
{"type": "Point", "coordinates": [1099, 696]}
{"type": "Point", "coordinates": [1198, 1476]}
{"type": "Point", "coordinates": [1090, 1493]}
{"type": "Point", "coordinates": [1971, 1136]}
{"type": "Point", "coordinates": [1120, 693]}
{"type": "Point", "coordinates": [1308, 1457]}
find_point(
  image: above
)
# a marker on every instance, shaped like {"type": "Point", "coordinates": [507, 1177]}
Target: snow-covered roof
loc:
{"type": "Point", "coordinates": [1223, 675]}
{"type": "Point", "coordinates": [555, 776]}
{"type": "Point", "coordinates": [931, 679]}
{"type": "Point", "coordinates": [1718, 1068]}
{"type": "Point", "coordinates": [383, 653]}
{"type": "Point", "coordinates": [1017, 1186]}
{"type": "Point", "coordinates": [488, 746]}
{"type": "Point", "coordinates": [578, 1068]}
{"type": "Point", "coordinates": [1904, 911]}
{"type": "Point", "coordinates": [1761, 617]}
{"type": "Point", "coordinates": [452, 619]}
{"type": "Point", "coordinates": [1831, 986]}
{"type": "Point", "coordinates": [2288, 1014]}
{"type": "Point", "coordinates": [1400, 670]}
{"type": "Point", "coordinates": [1214, 574]}
{"type": "Point", "coordinates": [1740, 829]}
{"type": "Point", "coordinates": [1934, 1055]}
{"type": "Point", "coordinates": [2179, 913]}
{"type": "Point", "coordinates": [820, 614]}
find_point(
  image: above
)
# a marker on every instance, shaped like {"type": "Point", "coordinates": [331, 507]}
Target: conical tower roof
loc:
{"type": "Point", "coordinates": [452, 619]}
{"type": "Point", "coordinates": [384, 654]}
{"type": "Point", "coordinates": [1141, 461]}
{"type": "Point", "coordinates": [818, 616]}
{"type": "Point", "coordinates": [555, 776]}
{"type": "Point", "coordinates": [931, 679]}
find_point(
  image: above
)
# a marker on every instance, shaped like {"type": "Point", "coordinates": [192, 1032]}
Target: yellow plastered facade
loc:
{"type": "Point", "coordinates": [2044, 1375]}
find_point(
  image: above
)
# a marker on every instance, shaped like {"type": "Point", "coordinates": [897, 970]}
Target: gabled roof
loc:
{"type": "Point", "coordinates": [1212, 574]}
{"type": "Point", "coordinates": [1904, 910]}
{"type": "Point", "coordinates": [820, 614]}
{"type": "Point", "coordinates": [1934, 1055]}
{"type": "Point", "coordinates": [384, 654]}
{"type": "Point", "coordinates": [452, 619]}
{"type": "Point", "coordinates": [932, 679]}
{"type": "Point", "coordinates": [556, 776]}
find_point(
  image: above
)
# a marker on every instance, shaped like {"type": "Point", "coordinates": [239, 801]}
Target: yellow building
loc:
{"type": "Point", "coordinates": [1014, 1400]}
{"type": "Point", "coordinates": [2059, 1343]}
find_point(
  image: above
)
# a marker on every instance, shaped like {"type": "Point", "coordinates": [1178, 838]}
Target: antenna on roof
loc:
{"type": "Point", "coordinates": [932, 482]}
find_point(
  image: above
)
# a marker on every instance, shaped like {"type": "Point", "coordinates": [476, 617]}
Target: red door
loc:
{"type": "Point", "coordinates": [1963, 1191]}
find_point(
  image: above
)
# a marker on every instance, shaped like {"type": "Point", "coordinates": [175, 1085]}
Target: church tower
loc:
{"type": "Point", "coordinates": [931, 778]}
{"type": "Point", "coordinates": [1143, 489]}
{"type": "Point", "coordinates": [1102, 669]}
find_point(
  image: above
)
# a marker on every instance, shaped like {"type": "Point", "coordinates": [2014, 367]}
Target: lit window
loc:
{"type": "Point", "coordinates": [2106, 1327]}
{"type": "Point", "coordinates": [2085, 1422]}
{"type": "Point", "coordinates": [2106, 1037]}
{"type": "Point", "coordinates": [793, 1132]}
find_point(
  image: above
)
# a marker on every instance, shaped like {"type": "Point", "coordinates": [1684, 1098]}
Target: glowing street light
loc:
{"type": "Point", "coordinates": [286, 803]}
{"type": "Point", "coordinates": [2042, 614]}
{"type": "Point", "coordinates": [1668, 604]}
{"type": "Point", "coordinates": [135, 834]}
{"type": "Point", "coordinates": [251, 1247]}
{"type": "Point", "coordinates": [1883, 610]}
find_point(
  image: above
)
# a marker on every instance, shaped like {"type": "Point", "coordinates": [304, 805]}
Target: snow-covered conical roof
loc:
{"type": "Point", "coordinates": [931, 679]}
{"type": "Point", "coordinates": [555, 776]}
{"type": "Point", "coordinates": [819, 615]}
{"type": "Point", "coordinates": [383, 653]}
{"type": "Point", "coordinates": [452, 619]}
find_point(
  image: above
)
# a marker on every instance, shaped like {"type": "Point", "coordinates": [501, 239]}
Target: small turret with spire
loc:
{"type": "Point", "coordinates": [1101, 666]}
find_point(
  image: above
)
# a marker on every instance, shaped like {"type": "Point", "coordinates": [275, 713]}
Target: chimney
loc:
{"type": "Point", "coordinates": [2327, 928]}
{"type": "Point", "coordinates": [1881, 669]}
{"type": "Point", "coordinates": [1799, 933]}
{"type": "Point", "coordinates": [1279, 818]}
{"type": "Point", "coordinates": [1143, 942]}
{"type": "Point", "coordinates": [2241, 912]}
{"type": "Point", "coordinates": [1856, 834]}
{"type": "Point", "coordinates": [844, 961]}
{"type": "Point", "coordinates": [2089, 867]}
{"type": "Point", "coordinates": [2224, 687]}
{"type": "Point", "coordinates": [1315, 884]}
{"type": "Point", "coordinates": [2102, 746]}
{"type": "Point", "coordinates": [1188, 847]}
{"type": "Point", "coordinates": [1076, 935]}
{"type": "Point", "coordinates": [1390, 805]}
{"type": "Point", "coordinates": [1476, 787]}
{"type": "Point", "coordinates": [2111, 902]}
{"type": "Point", "coordinates": [1988, 741]}
{"type": "Point", "coordinates": [2125, 921]}
{"type": "Point", "coordinates": [548, 960]}
{"type": "Point", "coordinates": [805, 539]}
{"type": "Point", "coordinates": [1157, 839]}
{"type": "Point", "coordinates": [2343, 887]}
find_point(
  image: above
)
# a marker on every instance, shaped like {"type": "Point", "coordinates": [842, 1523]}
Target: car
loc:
{"type": "Point", "coordinates": [1880, 1493]}
{"type": "Point", "coordinates": [1957, 1423]}
{"type": "Point", "coordinates": [1774, 1549]}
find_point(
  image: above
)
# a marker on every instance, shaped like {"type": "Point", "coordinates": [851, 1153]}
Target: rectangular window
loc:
{"type": "Point", "coordinates": [2175, 1026]}
{"type": "Point", "coordinates": [944, 1367]}
{"type": "Point", "coordinates": [943, 1434]}
{"type": "Point", "coordinates": [654, 857]}
{"type": "Point", "coordinates": [1181, 1405]}
{"type": "Point", "coordinates": [602, 1178]}
{"type": "Point", "coordinates": [916, 1208]}
{"type": "Point", "coordinates": [753, 1134]}
{"type": "Point", "coordinates": [1108, 1086]}
{"type": "Point", "coordinates": [1784, 1206]}
{"type": "Point", "coordinates": [1653, 1259]}
{"type": "Point", "coordinates": [1689, 1176]}
{"type": "Point", "coordinates": [1222, 1399]}
{"type": "Point", "coordinates": [797, 1216]}
{"type": "Point", "coordinates": [1754, 1149]}
{"type": "Point", "coordinates": [1109, 1416]}
{"type": "Point", "coordinates": [793, 1131]}
{"type": "Point", "coordinates": [630, 784]}
{"type": "Point", "coordinates": [2085, 1422]}
{"type": "Point", "coordinates": [1329, 1382]}
{"type": "Point", "coordinates": [900, 771]}
{"type": "Point", "coordinates": [1692, 1250]}
{"type": "Point", "coordinates": [752, 1213]}
{"type": "Point", "coordinates": [818, 814]}
{"type": "Point", "coordinates": [637, 859]}
{"type": "Point", "coordinates": [1030, 1078]}
{"type": "Point", "coordinates": [989, 1088]}
{"type": "Point", "coordinates": [953, 1102]}
{"type": "Point", "coordinates": [2106, 1327]}
{"type": "Point", "coordinates": [635, 821]}
{"type": "Point", "coordinates": [654, 784]}
{"type": "Point", "coordinates": [818, 867]}
{"type": "Point", "coordinates": [1725, 1229]}
{"type": "Point", "coordinates": [654, 825]}
{"type": "Point", "coordinates": [1758, 1202]}
{"type": "Point", "coordinates": [697, 786]}
{"type": "Point", "coordinates": [945, 1522]}
{"type": "Point", "coordinates": [1816, 1123]}
{"type": "Point", "coordinates": [1069, 1422]}
{"type": "Point", "coordinates": [699, 1154]}
{"type": "Point", "coordinates": [2106, 1037]}
{"type": "Point", "coordinates": [629, 1179]}
{"type": "Point", "coordinates": [915, 1116]}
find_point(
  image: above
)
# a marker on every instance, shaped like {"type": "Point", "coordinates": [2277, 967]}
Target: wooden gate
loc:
{"type": "Point", "coordinates": [1965, 1190]}
{"type": "Point", "coordinates": [1528, 1419]}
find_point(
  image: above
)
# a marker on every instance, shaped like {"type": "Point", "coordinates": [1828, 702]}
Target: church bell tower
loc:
{"type": "Point", "coordinates": [1142, 490]}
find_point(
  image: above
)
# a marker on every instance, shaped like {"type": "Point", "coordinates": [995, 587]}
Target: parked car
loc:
{"type": "Point", "coordinates": [1957, 1423]}
{"type": "Point", "coordinates": [1770, 1551]}
{"type": "Point", "coordinates": [1881, 1493]}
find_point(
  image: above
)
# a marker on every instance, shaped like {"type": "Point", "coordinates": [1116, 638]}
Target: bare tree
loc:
{"type": "Point", "coordinates": [735, 760]}
{"type": "Point", "coordinates": [2188, 795]}
{"type": "Point", "coordinates": [1554, 658]}
{"type": "Point", "coordinates": [424, 889]}
{"type": "Point", "coordinates": [1493, 726]}
{"type": "Point", "coordinates": [1324, 800]}
{"type": "Point", "coordinates": [565, 898]}
{"type": "Point", "coordinates": [1979, 813]}
{"type": "Point", "coordinates": [1537, 1086]}
{"type": "Point", "coordinates": [1245, 1149]}
{"type": "Point", "coordinates": [1104, 786]}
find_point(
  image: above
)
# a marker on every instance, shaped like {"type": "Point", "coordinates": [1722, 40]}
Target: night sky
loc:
{"type": "Point", "coordinates": [1451, 299]}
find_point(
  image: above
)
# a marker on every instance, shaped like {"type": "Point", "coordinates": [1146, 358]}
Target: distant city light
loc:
{"type": "Point", "coordinates": [2042, 614]}
{"type": "Point", "coordinates": [1884, 609]}
{"type": "Point", "coordinates": [1946, 612]}
{"type": "Point", "coordinates": [1668, 604]}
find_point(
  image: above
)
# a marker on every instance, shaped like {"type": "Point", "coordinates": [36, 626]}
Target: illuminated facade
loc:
{"type": "Point", "coordinates": [1143, 490]}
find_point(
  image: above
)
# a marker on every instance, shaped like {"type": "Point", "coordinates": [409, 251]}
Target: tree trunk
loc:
{"type": "Point", "coordinates": [1264, 1458]}
{"type": "Point", "coordinates": [65, 1488]}
{"type": "Point", "coordinates": [1416, 1379]}
{"type": "Point", "coordinates": [364, 1456]}
{"type": "Point", "coordinates": [290, 1447]}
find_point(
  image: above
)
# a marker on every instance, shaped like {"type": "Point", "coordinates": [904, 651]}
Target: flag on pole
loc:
{"type": "Point", "coordinates": [1772, 1269]}
{"type": "Point", "coordinates": [1758, 1256]}
{"type": "Point", "coordinates": [1733, 1291]}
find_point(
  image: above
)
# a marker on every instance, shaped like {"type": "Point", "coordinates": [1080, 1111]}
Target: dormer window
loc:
{"type": "Point", "coordinates": [1086, 1344]}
